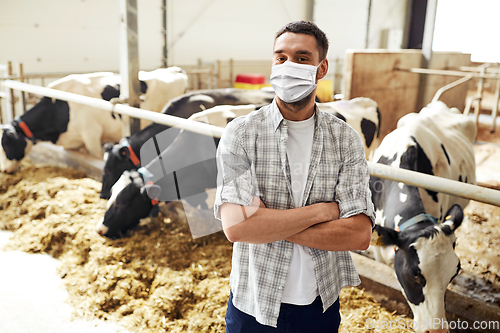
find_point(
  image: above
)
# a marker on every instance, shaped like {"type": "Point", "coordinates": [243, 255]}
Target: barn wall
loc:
{"type": "Point", "coordinates": [371, 73]}
{"type": "Point", "coordinates": [82, 35]}
{"type": "Point", "coordinates": [448, 60]}
{"type": "Point", "coordinates": [74, 35]}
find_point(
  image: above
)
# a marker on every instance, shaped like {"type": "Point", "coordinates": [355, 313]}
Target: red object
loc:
{"type": "Point", "coordinates": [133, 157]}
{"type": "Point", "coordinates": [251, 78]}
{"type": "Point", "coordinates": [26, 129]}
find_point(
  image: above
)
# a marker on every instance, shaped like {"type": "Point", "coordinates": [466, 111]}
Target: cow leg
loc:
{"type": "Point", "coordinates": [92, 141]}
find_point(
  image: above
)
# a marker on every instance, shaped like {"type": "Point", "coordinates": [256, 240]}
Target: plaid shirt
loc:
{"type": "Point", "coordinates": [251, 161]}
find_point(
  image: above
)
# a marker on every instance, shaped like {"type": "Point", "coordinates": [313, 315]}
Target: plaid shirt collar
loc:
{"type": "Point", "coordinates": [277, 117]}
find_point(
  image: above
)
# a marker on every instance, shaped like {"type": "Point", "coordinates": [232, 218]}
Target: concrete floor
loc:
{"type": "Point", "coordinates": [32, 297]}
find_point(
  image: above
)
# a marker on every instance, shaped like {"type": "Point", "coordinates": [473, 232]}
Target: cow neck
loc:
{"type": "Point", "coordinates": [145, 173]}
{"type": "Point", "coordinates": [402, 202]}
{"type": "Point", "coordinates": [22, 127]}
{"type": "Point", "coordinates": [46, 120]}
{"type": "Point", "coordinates": [417, 219]}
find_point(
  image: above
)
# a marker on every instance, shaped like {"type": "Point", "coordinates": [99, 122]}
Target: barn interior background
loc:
{"type": "Point", "coordinates": [397, 52]}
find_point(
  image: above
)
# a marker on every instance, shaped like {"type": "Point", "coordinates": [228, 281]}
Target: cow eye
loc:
{"type": "Point", "coordinates": [419, 278]}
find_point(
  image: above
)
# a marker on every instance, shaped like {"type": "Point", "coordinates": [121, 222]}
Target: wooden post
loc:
{"type": "Point", "coordinates": [11, 114]}
{"type": "Point", "coordinates": [477, 103]}
{"type": "Point", "coordinates": [198, 75]}
{"type": "Point", "coordinates": [217, 76]}
{"type": "Point", "coordinates": [23, 94]}
{"type": "Point", "coordinates": [129, 62]}
{"type": "Point", "coordinates": [231, 67]}
{"type": "Point", "coordinates": [494, 111]}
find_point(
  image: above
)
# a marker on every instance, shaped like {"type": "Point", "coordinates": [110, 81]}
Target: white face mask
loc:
{"type": "Point", "coordinates": [293, 82]}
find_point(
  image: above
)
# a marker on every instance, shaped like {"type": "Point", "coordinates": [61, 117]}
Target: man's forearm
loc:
{"type": "Point", "coordinates": [347, 234]}
{"type": "Point", "coordinates": [263, 225]}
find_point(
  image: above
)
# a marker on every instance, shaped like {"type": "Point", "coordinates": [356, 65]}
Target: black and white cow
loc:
{"type": "Point", "coordinates": [131, 196]}
{"type": "Point", "coordinates": [363, 115]}
{"type": "Point", "coordinates": [120, 217]}
{"type": "Point", "coordinates": [125, 155]}
{"type": "Point", "coordinates": [415, 227]}
{"type": "Point", "coordinates": [73, 125]}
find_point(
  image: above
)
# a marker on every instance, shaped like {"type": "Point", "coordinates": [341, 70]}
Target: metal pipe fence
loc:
{"type": "Point", "coordinates": [429, 182]}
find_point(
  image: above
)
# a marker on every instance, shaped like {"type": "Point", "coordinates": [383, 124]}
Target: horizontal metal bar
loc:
{"type": "Point", "coordinates": [3, 94]}
{"type": "Point", "coordinates": [447, 72]}
{"type": "Point", "coordinates": [478, 69]}
{"type": "Point", "coordinates": [156, 117]}
{"type": "Point", "coordinates": [434, 183]}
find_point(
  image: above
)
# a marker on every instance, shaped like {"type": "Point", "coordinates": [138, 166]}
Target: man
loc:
{"type": "Point", "coordinates": [293, 196]}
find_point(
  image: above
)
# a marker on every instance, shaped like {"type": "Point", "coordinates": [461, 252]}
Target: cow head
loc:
{"type": "Point", "coordinates": [117, 160]}
{"type": "Point", "coordinates": [14, 146]}
{"type": "Point", "coordinates": [425, 263]}
{"type": "Point", "coordinates": [129, 203]}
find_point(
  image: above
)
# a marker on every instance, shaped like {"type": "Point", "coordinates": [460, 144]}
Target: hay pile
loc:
{"type": "Point", "coordinates": [157, 279]}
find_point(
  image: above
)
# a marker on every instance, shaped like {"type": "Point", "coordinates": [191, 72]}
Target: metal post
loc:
{"type": "Point", "coordinates": [23, 95]}
{"type": "Point", "coordinates": [367, 37]}
{"type": "Point", "coordinates": [129, 62]}
{"type": "Point", "coordinates": [12, 99]}
{"type": "Point", "coordinates": [164, 33]}
{"type": "Point", "coordinates": [430, 19]}
{"type": "Point", "coordinates": [477, 104]}
{"type": "Point", "coordinates": [310, 10]}
{"type": "Point", "coordinates": [495, 105]}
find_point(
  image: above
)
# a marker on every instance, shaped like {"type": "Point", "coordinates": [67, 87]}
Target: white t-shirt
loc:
{"type": "Point", "coordinates": [300, 287]}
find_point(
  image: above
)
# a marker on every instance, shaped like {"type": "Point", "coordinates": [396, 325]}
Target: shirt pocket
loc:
{"type": "Point", "coordinates": [324, 183]}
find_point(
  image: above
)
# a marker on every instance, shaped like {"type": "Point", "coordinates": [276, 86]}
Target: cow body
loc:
{"type": "Point", "coordinates": [363, 115]}
{"type": "Point", "coordinates": [117, 157]}
{"type": "Point", "coordinates": [186, 150]}
{"type": "Point", "coordinates": [74, 125]}
{"type": "Point", "coordinates": [420, 223]}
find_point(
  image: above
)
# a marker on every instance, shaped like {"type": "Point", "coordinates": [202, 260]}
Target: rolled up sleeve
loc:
{"type": "Point", "coordinates": [234, 174]}
{"type": "Point", "coordinates": [353, 193]}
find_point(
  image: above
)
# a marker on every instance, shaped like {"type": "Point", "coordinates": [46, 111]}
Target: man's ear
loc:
{"type": "Point", "coordinates": [322, 70]}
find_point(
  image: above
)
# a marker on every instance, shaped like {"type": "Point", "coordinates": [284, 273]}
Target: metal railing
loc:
{"type": "Point", "coordinates": [429, 182]}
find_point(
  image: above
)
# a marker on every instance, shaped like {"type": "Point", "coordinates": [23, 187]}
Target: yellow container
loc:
{"type": "Point", "coordinates": [325, 91]}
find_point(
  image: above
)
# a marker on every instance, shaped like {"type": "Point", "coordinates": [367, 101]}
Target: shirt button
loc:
{"type": "Point", "coordinates": [280, 287]}
{"type": "Point", "coordinates": [284, 122]}
{"type": "Point", "coordinates": [288, 256]}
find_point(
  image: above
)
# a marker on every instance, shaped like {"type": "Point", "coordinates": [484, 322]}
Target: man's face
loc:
{"type": "Point", "coordinates": [298, 48]}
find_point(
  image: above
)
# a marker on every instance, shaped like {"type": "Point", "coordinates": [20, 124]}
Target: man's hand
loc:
{"type": "Point", "coordinates": [331, 210]}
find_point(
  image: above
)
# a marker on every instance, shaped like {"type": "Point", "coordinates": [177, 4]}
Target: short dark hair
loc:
{"type": "Point", "coordinates": [308, 28]}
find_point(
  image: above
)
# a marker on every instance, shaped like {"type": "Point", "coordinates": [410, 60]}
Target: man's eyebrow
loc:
{"type": "Point", "coordinates": [297, 52]}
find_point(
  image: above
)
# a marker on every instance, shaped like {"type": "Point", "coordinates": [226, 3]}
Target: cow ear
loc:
{"type": "Point", "coordinates": [454, 218]}
{"type": "Point", "coordinates": [382, 236]}
{"type": "Point", "coordinates": [108, 146]}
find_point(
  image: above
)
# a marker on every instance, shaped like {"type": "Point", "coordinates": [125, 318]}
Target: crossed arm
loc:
{"type": "Point", "coordinates": [316, 226]}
